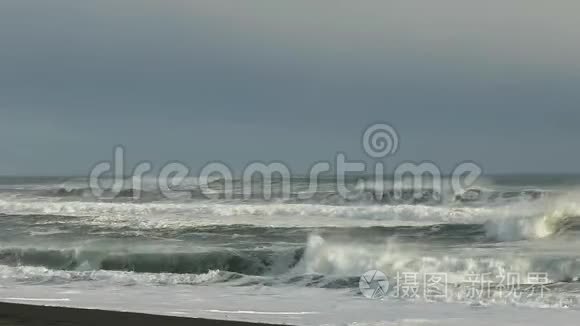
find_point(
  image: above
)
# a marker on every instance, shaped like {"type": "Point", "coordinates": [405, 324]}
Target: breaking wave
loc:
{"type": "Point", "coordinates": [339, 258]}
{"type": "Point", "coordinates": [255, 262]}
{"type": "Point", "coordinates": [40, 274]}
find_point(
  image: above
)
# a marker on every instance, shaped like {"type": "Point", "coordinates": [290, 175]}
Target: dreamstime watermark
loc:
{"type": "Point", "coordinates": [379, 141]}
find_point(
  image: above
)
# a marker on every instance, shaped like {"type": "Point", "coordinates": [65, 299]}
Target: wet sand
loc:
{"type": "Point", "coordinates": [12, 314]}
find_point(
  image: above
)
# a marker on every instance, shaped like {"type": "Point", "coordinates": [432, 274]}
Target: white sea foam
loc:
{"type": "Point", "coordinates": [532, 221]}
{"type": "Point", "coordinates": [183, 214]}
{"type": "Point", "coordinates": [38, 274]}
{"type": "Point", "coordinates": [351, 258]}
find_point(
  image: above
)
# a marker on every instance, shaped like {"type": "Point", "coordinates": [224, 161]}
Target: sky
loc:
{"type": "Point", "coordinates": [494, 82]}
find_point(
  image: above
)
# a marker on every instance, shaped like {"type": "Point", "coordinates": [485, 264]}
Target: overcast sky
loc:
{"type": "Point", "coordinates": [496, 82]}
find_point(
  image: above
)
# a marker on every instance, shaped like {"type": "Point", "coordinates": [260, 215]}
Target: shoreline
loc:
{"type": "Point", "coordinates": [16, 314]}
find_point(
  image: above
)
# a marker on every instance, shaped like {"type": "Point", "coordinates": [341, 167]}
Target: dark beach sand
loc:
{"type": "Point", "coordinates": [12, 314]}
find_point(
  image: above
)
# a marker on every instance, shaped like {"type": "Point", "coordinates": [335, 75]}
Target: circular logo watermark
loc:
{"type": "Point", "coordinates": [374, 284]}
{"type": "Point", "coordinates": [380, 140]}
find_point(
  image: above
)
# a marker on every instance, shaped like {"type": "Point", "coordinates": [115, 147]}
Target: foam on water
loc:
{"type": "Point", "coordinates": [43, 275]}
{"type": "Point", "coordinates": [182, 214]}
{"type": "Point", "coordinates": [215, 252]}
{"type": "Point", "coordinates": [351, 258]}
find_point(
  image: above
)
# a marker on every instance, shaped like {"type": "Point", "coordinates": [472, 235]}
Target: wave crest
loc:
{"type": "Point", "coordinates": [326, 257]}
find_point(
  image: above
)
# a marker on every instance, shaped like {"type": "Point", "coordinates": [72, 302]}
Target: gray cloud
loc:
{"type": "Point", "coordinates": [492, 81]}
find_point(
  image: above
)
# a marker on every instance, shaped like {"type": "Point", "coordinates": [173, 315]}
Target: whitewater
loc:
{"type": "Point", "coordinates": [288, 260]}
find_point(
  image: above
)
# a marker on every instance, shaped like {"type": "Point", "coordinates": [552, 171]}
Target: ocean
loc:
{"type": "Point", "coordinates": [508, 248]}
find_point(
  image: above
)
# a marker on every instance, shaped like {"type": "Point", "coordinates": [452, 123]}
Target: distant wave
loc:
{"type": "Point", "coordinates": [471, 197]}
{"type": "Point", "coordinates": [178, 215]}
{"type": "Point", "coordinates": [87, 194]}
{"type": "Point", "coordinates": [513, 229]}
